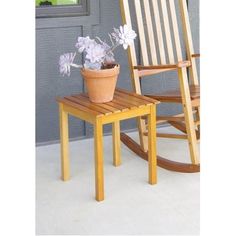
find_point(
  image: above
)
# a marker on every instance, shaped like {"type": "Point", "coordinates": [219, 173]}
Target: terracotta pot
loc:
{"type": "Point", "coordinates": [101, 83]}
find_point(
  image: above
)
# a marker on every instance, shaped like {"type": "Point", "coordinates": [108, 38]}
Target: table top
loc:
{"type": "Point", "coordinates": [123, 101]}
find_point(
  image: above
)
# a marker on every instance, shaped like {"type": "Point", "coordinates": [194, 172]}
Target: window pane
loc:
{"type": "Point", "coordinates": [56, 2]}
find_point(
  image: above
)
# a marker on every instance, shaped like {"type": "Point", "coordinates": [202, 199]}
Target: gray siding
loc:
{"type": "Point", "coordinates": [58, 35]}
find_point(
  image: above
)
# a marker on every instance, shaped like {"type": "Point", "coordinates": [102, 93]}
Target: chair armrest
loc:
{"type": "Point", "coordinates": [195, 55]}
{"type": "Point", "coordinates": [168, 66]}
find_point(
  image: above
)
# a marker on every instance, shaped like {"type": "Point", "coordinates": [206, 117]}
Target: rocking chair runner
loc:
{"type": "Point", "coordinates": [164, 19]}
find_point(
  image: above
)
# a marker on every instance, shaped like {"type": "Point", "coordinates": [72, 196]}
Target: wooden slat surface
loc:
{"type": "Point", "coordinates": [116, 106]}
{"type": "Point", "coordinates": [161, 47]}
{"type": "Point", "coordinates": [103, 105]}
{"type": "Point", "coordinates": [130, 98]}
{"type": "Point", "coordinates": [90, 105]}
{"type": "Point", "coordinates": [141, 31]}
{"type": "Point", "coordinates": [123, 100]}
{"type": "Point", "coordinates": [138, 95]}
{"type": "Point", "coordinates": [188, 41]}
{"type": "Point", "coordinates": [150, 32]}
{"type": "Point", "coordinates": [129, 104]}
{"type": "Point", "coordinates": [175, 95]}
{"type": "Point", "coordinates": [176, 30]}
{"type": "Point", "coordinates": [167, 32]}
{"type": "Point", "coordinates": [78, 106]}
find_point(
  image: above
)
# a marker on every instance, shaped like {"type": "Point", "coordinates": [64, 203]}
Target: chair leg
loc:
{"type": "Point", "coordinates": [98, 155]}
{"type": "Point", "coordinates": [189, 120]}
{"type": "Point", "coordinates": [152, 160]}
{"type": "Point", "coordinates": [142, 129]}
{"type": "Point", "coordinates": [116, 143]}
{"type": "Point", "coordinates": [65, 168]}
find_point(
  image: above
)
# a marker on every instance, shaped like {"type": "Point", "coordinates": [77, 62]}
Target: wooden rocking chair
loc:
{"type": "Point", "coordinates": [162, 15]}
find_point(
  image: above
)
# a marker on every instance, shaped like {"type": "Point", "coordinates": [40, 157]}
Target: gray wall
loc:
{"type": "Point", "coordinates": [58, 35]}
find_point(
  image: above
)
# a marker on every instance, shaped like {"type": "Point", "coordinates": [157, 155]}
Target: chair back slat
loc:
{"type": "Point", "coordinates": [150, 32]}
{"type": "Point", "coordinates": [125, 14]}
{"type": "Point", "coordinates": [167, 32]}
{"type": "Point", "coordinates": [141, 32]}
{"type": "Point", "coordinates": [188, 40]}
{"type": "Point", "coordinates": [159, 24]}
{"type": "Point", "coordinates": [176, 30]}
{"type": "Point", "coordinates": [157, 19]}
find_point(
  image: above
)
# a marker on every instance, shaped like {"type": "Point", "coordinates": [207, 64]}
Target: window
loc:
{"type": "Point", "coordinates": [60, 8]}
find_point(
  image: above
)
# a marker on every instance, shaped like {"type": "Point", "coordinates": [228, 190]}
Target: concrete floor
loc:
{"type": "Point", "coordinates": [131, 205]}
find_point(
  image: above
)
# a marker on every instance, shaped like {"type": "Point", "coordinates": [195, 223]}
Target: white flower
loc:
{"type": "Point", "coordinates": [83, 43]}
{"type": "Point", "coordinates": [125, 36]}
{"type": "Point", "coordinates": [109, 57]}
{"type": "Point", "coordinates": [95, 53]}
{"type": "Point", "coordinates": [65, 62]}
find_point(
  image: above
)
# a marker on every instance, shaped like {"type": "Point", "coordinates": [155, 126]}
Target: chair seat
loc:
{"type": "Point", "coordinates": [175, 95]}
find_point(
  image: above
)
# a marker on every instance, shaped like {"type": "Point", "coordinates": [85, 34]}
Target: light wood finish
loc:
{"type": "Point", "coordinates": [126, 19]}
{"type": "Point", "coordinates": [125, 105]}
{"type": "Point", "coordinates": [187, 107]}
{"type": "Point", "coordinates": [170, 66]}
{"type": "Point", "coordinates": [157, 69]}
{"type": "Point", "coordinates": [176, 30]}
{"type": "Point", "coordinates": [84, 102]}
{"type": "Point", "coordinates": [176, 136]}
{"type": "Point", "coordinates": [196, 102]}
{"type": "Point", "coordinates": [167, 32]}
{"type": "Point", "coordinates": [165, 135]}
{"type": "Point", "coordinates": [188, 41]}
{"type": "Point", "coordinates": [170, 118]}
{"type": "Point", "coordinates": [159, 32]}
{"type": "Point", "coordinates": [175, 96]}
{"type": "Point", "coordinates": [152, 162]}
{"type": "Point", "coordinates": [136, 95]}
{"type": "Point", "coordinates": [65, 168]}
{"type": "Point", "coordinates": [178, 125]}
{"type": "Point", "coordinates": [150, 31]}
{"type": "Point", "coordinates": [161, 162]}
{"type": "Point", "coordinates": [98, 155]}
{"type": "Point", "coordinates": [175, 118]}
{"type": "Point", "coordinates": [161, 15]}
{"type": "Point", "coordinates": [148, 72]}
{"type": "Point", "coordinates": [131, 113]}
{"type": "Point", "coordinates": [116, 143]}
{"type": "Point", "coordinates": [141, 31]}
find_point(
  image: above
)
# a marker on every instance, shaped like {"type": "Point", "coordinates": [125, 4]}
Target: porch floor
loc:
{"type": "Point", "coordinates": [131, 205]}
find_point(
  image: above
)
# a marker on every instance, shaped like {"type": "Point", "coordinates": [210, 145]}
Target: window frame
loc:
{"type": "Point", "coordinates": [81, 9]}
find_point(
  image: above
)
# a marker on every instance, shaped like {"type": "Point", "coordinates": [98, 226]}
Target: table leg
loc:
{"type": "Point", "coordinates": [98, 153]}
{"type": "Point", "coordinates": [116, 143]}
{"type": "Point", "coordinates": [65, 169]}
{"type": "Point", "coordinates": [152, 161]}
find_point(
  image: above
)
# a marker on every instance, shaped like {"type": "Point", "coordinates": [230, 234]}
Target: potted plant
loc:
{"type": "Point", "coordinates": [100, 71]}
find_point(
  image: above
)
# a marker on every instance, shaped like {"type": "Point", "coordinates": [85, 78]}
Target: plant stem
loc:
{"type": "Point", "coordinates": [113, 48]}
{"type": "Point", "coordinates": [76, 66]}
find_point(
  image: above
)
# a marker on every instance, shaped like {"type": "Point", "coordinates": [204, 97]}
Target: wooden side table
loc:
{"type": "Point", "coordinates": [125, 105]}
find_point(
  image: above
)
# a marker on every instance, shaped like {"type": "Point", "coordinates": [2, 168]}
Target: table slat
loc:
{"type": "Point", "coordinates": [85, 102]}
{"type": "Point", "coordinates": [123, 101]}
{"type": "Point", "coordinates": [138, 95]}
{"type": "Point", "coordinates": [107, 106]}
{"type": "Point", "coordinates": [78, 106]}
{"type": "Point", "coordinates": [130, 97]}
